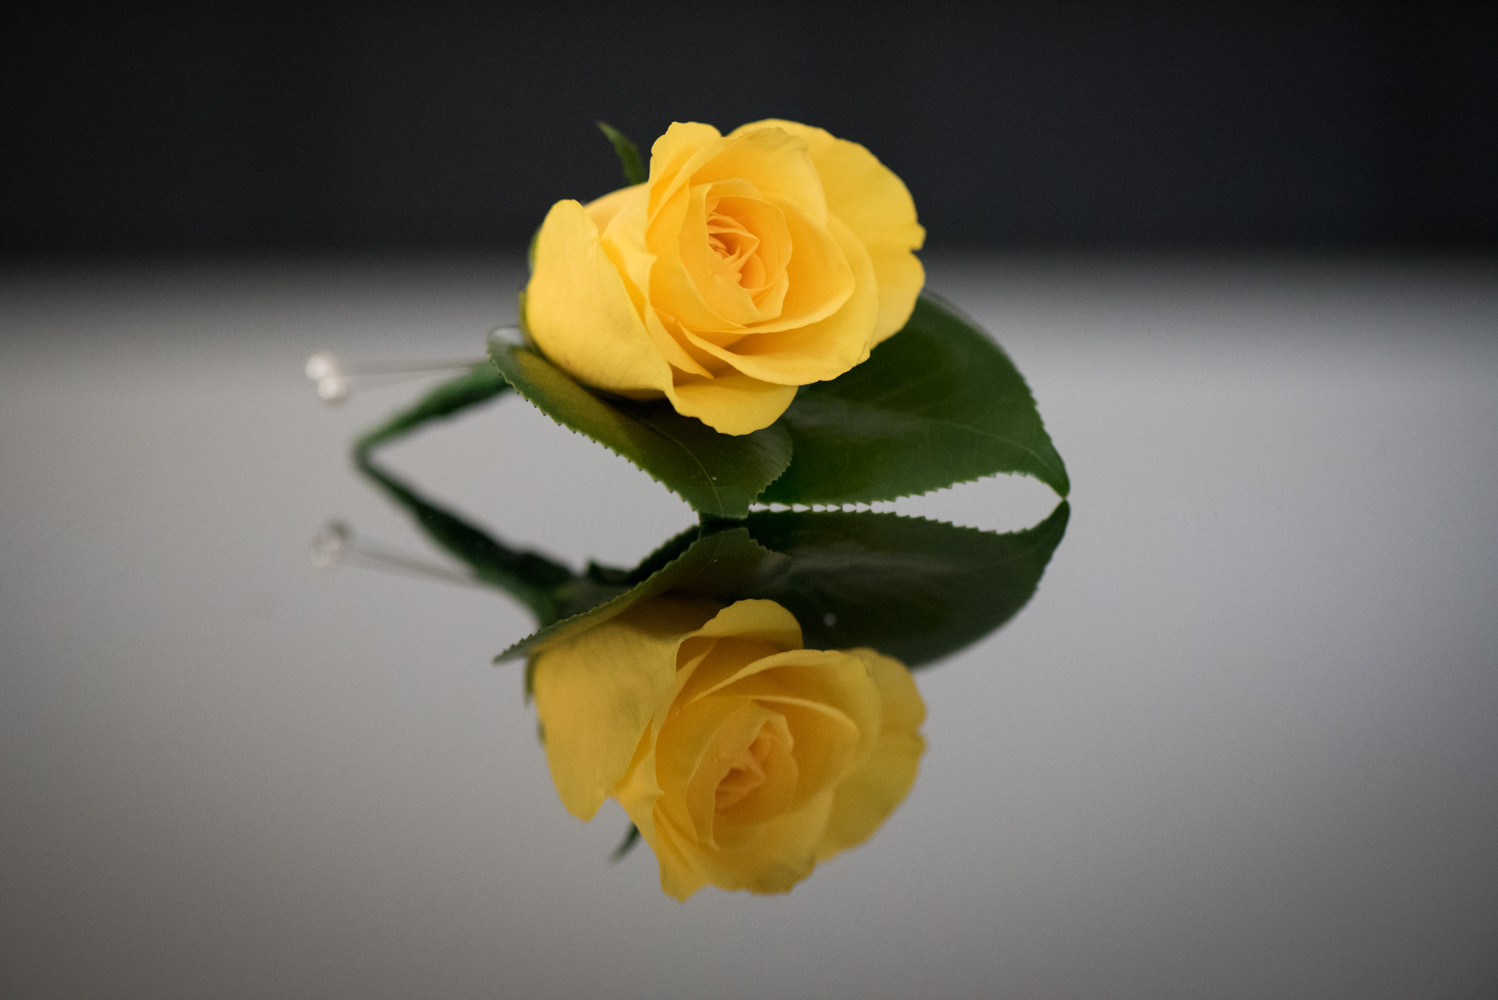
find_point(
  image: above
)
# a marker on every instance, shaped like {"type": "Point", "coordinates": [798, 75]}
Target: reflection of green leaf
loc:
{"type": "Point", "coordinates": [917, 590]}
{"type": "Point", "coordinates": [938, 403]}
{"type": "Point", "coordinates": [718, 474]}
{"type": "Point", "coordinates": [628, 153]}
{"type": "Point", "coordinates": [720, 561]}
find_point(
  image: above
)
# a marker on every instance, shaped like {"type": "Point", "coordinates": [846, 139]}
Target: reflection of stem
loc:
{"type": "Point", "coordinates": [529, 577]}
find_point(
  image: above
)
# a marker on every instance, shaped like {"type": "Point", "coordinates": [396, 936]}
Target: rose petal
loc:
{"type": "Point", "coordinates": [769, 165]}
{"type": "Point", "coordinates": [815, 351]}
{"type": "Point", "coordinates": [742, 288]}
{"type": "Point", "coordinates": [865, 799]}
{"type": "Point", "coordinates": [623, 239]}
{"type": "Point", "coordinates": [781, 853]}
{"type": "Point", "coordinates": [776, 162]}
{"type": "Point", "coordinates": [579, 313]}
{"type": "Point", "coordinates": [603, 211]}
{"type": "Point", "coordinates": [675, 157]}
{"type": "Point", "coordinates": [759, 620]}
{"type": "Point", "coordinates": [597, 693]}
{"type": "Point", "coordinates": [876, 205]}
{"type": "Point", "coordinates": [696, 749]}
{"type": "Point", "coordinates": [827, 699]}
{"type": "Point", "coordinates": [732, 403]}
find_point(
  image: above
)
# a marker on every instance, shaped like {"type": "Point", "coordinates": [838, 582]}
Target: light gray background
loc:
{"type": "Point", "coordinates": [1241, 744]}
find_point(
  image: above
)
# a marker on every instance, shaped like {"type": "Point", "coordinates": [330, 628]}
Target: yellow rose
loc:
{"type": "Point", "coordinates": [746, 266]}
{"type": "Point", "coordinates": [742, 758]}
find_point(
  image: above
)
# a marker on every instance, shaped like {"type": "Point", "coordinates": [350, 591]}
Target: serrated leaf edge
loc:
{"type": "Point", "coordinates": [514, 648]}
{"type": "Point", "coordinates": [496, 337]}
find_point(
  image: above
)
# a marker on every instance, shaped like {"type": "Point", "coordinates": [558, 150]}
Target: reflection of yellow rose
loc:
{"type": "Point", "coordinates": [747, 265]}
{"type": "Point", "coordinates": [742, 758]}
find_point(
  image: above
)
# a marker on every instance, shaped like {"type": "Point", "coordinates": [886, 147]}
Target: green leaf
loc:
{"type": "Point", "coordinates": [630, 839]}
{"type": "Point", "coordinates": [936, 404]}
{"type": "Point", "coordinates": [718, 474]}
{"type": "Point", "coordinates": [913, 589]}
{"type": "Point", "coordinates": [628, 153]}
{"type": "Point", "coordinates": [477, 385]}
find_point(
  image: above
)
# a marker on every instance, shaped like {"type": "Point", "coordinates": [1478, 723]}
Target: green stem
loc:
{"type": "Point", "coordinates": [531, 578]}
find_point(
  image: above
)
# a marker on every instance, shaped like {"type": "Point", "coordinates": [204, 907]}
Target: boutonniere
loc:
{"type": "Point", "coordinates": [746, 321]}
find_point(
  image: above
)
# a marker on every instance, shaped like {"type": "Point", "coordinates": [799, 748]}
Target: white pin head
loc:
{"type": "Point", "coordinates": [334, 381]}
{"type": "Point", "coordinates": [321, 365]}
{"type": "Point", "coordinates": [332, 389]}
{"type": "Point", "coordinates": [325, 372]}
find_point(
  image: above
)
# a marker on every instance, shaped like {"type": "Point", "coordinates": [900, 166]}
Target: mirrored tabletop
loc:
{"type": "Point", "coordinates": [1242, 741]}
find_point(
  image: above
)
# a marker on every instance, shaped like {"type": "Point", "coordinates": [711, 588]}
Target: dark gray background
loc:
{"type": "Point", "coordinates": [390, 128]}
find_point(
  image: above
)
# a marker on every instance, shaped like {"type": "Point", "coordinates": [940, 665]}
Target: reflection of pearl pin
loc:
{"type": "Point", "coordinates": [330, 543]}
{"type": "Point", "coordinates": [336, 545]}
{"type": "Point", "coordinates": [333, 380]}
